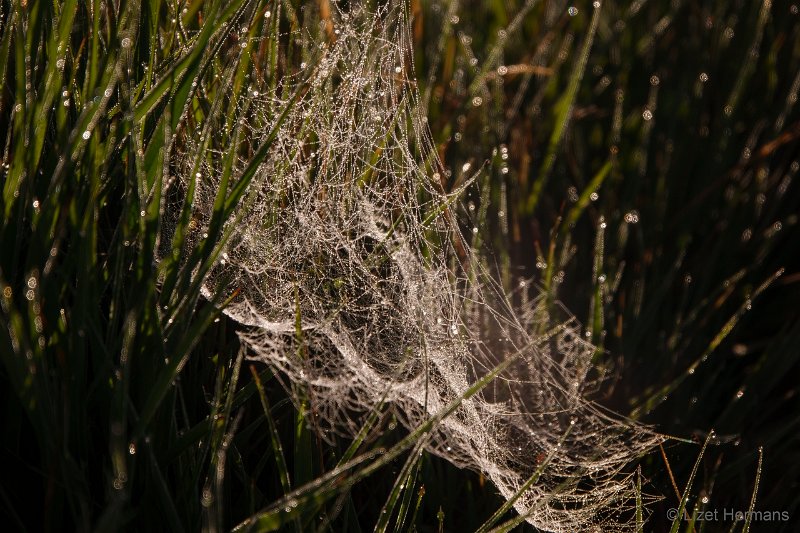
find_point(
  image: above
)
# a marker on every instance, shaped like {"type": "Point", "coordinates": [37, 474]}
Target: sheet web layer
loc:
{"type": "Point", "coordinates": [357, 286]}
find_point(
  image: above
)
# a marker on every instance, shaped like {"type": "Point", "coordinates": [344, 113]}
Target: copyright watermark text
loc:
{"type": "Point", "coordinates": [727, 515]}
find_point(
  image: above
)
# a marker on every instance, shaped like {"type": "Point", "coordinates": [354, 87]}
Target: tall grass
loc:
{"type": "Point", "coordinates": [663, 203]}
{"type": "Point", "coordinates": [116, 399]}
{"type": "Point", "coordinates": [640, 163]}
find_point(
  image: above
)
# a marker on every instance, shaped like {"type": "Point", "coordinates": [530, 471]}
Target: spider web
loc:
{"type": "Point", "coordinates": [359, 289]}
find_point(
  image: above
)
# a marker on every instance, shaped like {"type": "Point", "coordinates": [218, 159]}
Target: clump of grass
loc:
{"type": "Point", "coordinates": [645, 153]}
{"type": "Point", "coordinates": [102, 320]}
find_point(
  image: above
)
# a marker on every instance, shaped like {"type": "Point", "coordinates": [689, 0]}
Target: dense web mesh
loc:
{"type": "Point", "coordinates": [359, 289]}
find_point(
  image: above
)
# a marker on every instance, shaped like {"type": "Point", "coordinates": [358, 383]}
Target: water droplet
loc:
{"type": "Point", "coordinates": [572, 11]}
{"type": "Point", "coordinates": [477, 101]}
{"type": "Point", "coordinates": [572, 193]}
{"type": "Point", "coordinates": [126, 42]}
{"type": "Point", "coordinates": [502, 70]}
{"type": "Point", "coordinates": [632, 217]}
{"type": "Point", "coordinates": [654, 80]}
{"type": "Point", "coordinates": [132, 448]}
{"type": "Point", "coordinates": [703, 77]}
{"type": "Point", "coordinates": [647, 114]}
{"type": "Point", "coordinates": [86, 135]}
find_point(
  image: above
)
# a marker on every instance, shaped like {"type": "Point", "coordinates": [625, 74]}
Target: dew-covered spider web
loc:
{"type": "Point", "coordinates": [358, 287]}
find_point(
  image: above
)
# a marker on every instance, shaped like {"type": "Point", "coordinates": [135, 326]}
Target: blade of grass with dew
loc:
{"type": "Point", "coordinates": [563, 112]}
{"type": "Point", "coordinates": [277, 447]}
{"type": "Point", "coordinates": [188, 66]}
{"type": "Point", "coordinates": [183, 83]}
{"type": "Point", "coordinates": [748, 64]}
{"type": "Point", "coordinates": [639, 506]}
{"type": "Point", "coordinates": [676, 523]}
{"type": "Point", "coordinates": [522, 517]}
{"type": "Point", "coordinates": [417, 505]}
{"type": "Point", "coordinates": [596, 302]}
{"type": "Point", "coordinates": [656, 399]}
{"type": "Point", "coordinates": [222, 434]}
{"type": "Point", "coordinates": [401, 486]}
{"type": "Point", "coordinates": [181, 354]}
{"type": "Point", "coordinates": [405, 504]}
{"type": "Point", "coordinates": [751, 508]}
{"type": "Point", "coordinates": [509, 503]}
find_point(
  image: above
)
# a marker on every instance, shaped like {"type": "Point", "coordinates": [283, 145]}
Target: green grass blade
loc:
{"type": "Point", "coordinates": [509, 503]}
{"type": "Point", "coordinates": [402, 485]}
{"type": "Point", "coordinates": [563, 113]}
{"type": "Point", "coordinates": [676, 523]}
{"type": "Point", "coordinates": [277, 447]}
{"type": "Point", "coordinates": [750, 510]}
